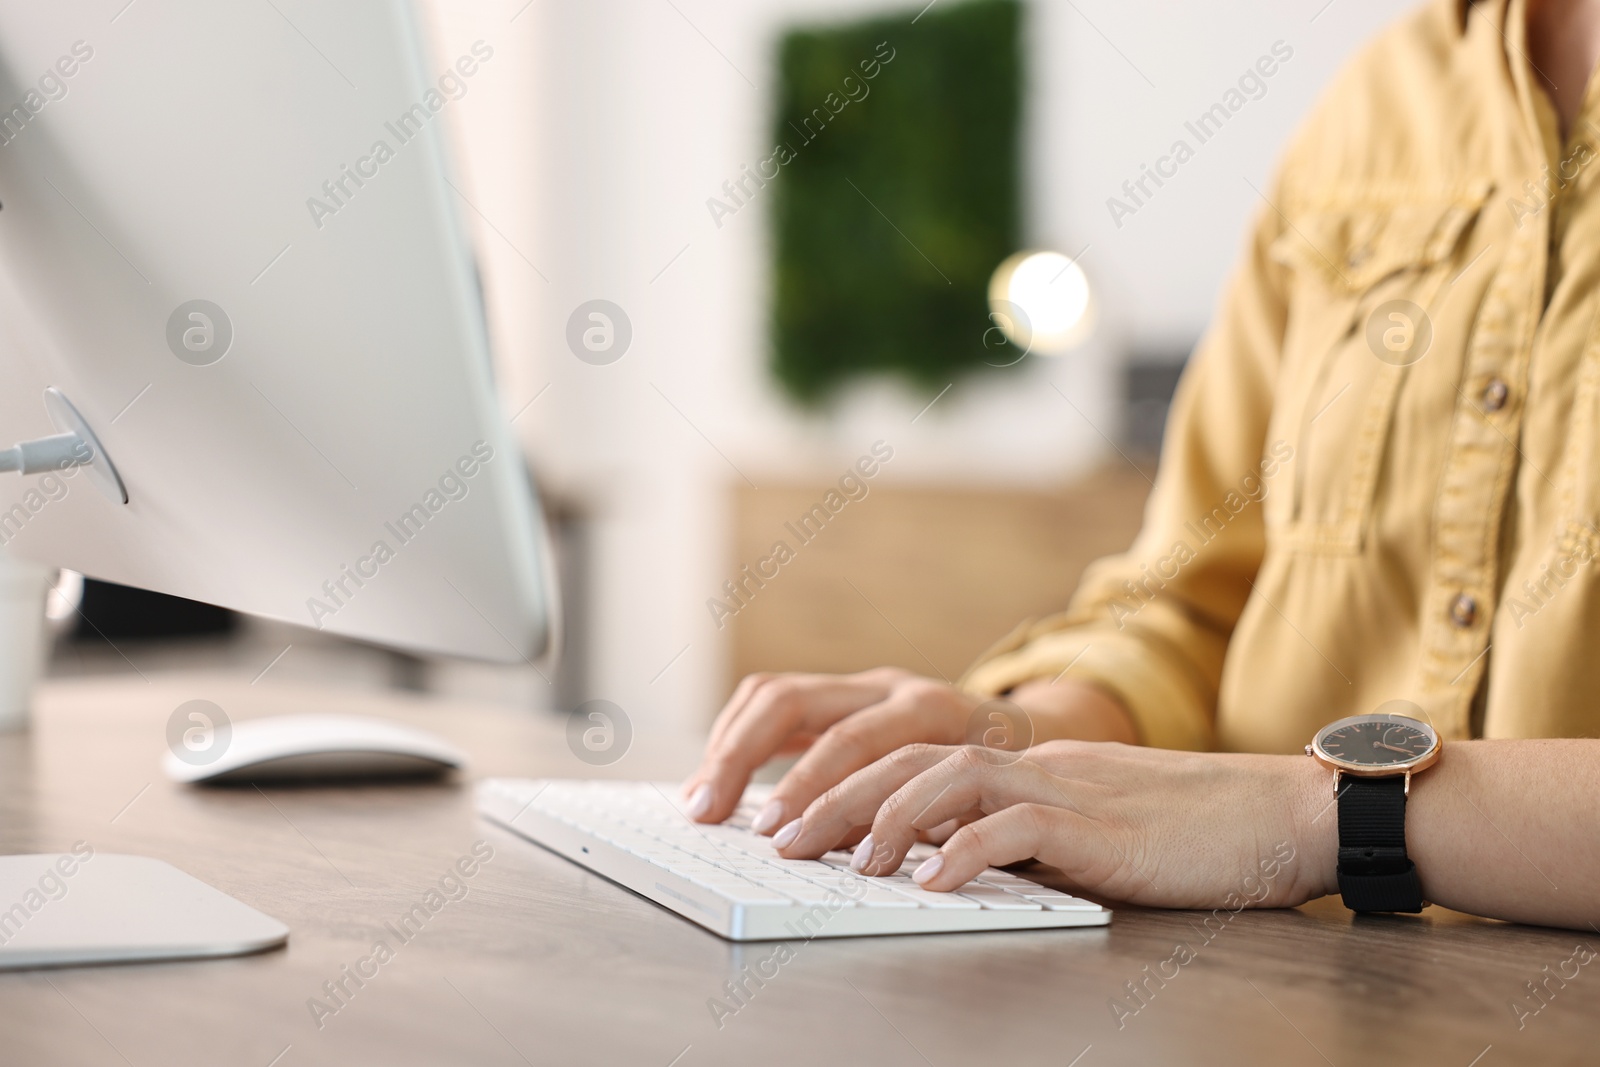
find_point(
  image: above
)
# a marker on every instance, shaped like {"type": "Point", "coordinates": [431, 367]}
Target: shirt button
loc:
{"type": "Point", "coordinates": [1495, 395]}
{"type": "Point", "coordinates": [1463, 610]}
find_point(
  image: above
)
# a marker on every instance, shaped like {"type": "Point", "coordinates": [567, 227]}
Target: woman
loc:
{"type": "Point", "coordinates": [1381, 482]}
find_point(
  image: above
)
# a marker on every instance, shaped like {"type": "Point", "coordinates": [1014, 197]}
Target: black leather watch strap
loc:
{"type": "Point", "coordinates": [1375, 874]}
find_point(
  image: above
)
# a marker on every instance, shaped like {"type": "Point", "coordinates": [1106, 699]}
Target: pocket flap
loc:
{"type": "Point", "coordinates": [1354, 242]}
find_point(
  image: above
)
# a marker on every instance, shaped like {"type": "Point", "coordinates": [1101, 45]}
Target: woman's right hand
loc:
{"type": "Point", "coordinates": [842, 723]}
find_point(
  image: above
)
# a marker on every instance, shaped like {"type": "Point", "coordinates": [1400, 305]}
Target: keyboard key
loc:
{"type": "Point", "coordinates": [799, 866]}
{"type": "Point", "coordinates": [1057, 901]}
{"type": "Point", "coordinates": [1006, 881]}
{"type": "Point", "coordinates": [831, 877]}
{"type": "Point", "coordinates": [929, 899]}
{"type": "Point", "coordinates": [799, 889]}
{"type": "Point", "coordinates": [659, 856]}
{"type": "Point", "coordinates": [693, 870]}
{"type": "Point", "coordinates": [876, 897]}
{"type": "Point", "coordinates": [1066, 903]}
{"type": "Point", "coordinates": [844, 887]}
{"type": "Point", "coordinates": [815, 894]}
{"type": "Point", "coordinates": [776, 877]}
{"type": "Point", "coordinates": [993, 898]}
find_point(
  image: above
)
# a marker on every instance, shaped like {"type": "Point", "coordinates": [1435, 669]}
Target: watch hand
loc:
{"type": "Point", "coordinates": [1392, 748]}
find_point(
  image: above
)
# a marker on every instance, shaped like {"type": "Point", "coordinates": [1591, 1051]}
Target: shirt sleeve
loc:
{"type": "Point", "coordinates": [1152, 625]}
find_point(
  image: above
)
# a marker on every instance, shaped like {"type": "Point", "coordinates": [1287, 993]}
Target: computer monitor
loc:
{"type": "Point", "coordinates": [230, 240]}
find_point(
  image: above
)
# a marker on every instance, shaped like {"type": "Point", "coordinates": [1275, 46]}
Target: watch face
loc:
{"type": "Point", "coordinates": [1377, 744]}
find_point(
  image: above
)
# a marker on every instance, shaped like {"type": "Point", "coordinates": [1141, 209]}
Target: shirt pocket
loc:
{"type": "Point", "coordinates": [1365, 274]}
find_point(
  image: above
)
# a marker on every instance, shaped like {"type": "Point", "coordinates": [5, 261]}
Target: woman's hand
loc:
{"type": "Point", "coordinates": [1145, 826]}
{"type": "Point", "coordinates": [842, 723]}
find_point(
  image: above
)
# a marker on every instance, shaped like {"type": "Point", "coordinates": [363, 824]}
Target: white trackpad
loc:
{"type": "Point", "coordinates": [96, 907]}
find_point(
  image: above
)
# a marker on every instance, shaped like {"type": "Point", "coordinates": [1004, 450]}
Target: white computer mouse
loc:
{"type": "Point", "coordinates": [308, 747]}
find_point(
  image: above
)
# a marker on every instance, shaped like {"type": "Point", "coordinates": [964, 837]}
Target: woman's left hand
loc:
{"type": "Point", "coordinates": [1144, 826]}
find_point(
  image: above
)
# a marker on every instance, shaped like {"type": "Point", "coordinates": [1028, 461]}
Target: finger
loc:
{"type": "Point", "coordinates": [775, 711]}
{"type": "Point", "coordinates": [730, 711]}
{"type": "Point", "coordinates": [736, 703]}
{"type": "Point", "coordinates": [855, 801]}
{"type": "Point", "coordinates": [852, 840]}
{"type": "Point", "coordinates": [797, 743]}
{"type": "Point", "coordinates": [971, 781]}
{"type": "Point", "coordinates": [1020, 832]}
{"type": "Point", "coordinates": [851, 745]}
{"type": "Point", "coordinates": [938, 835]}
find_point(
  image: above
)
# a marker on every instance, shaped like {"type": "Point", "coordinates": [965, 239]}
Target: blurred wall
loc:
{"type": "Point", "coordinates": [588, 150]}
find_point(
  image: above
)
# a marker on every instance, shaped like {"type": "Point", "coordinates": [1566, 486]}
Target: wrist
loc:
{"type": "Point", "coordinates": [1070, 710]}
{"type": "Point", "coordinates": [1314, 801]}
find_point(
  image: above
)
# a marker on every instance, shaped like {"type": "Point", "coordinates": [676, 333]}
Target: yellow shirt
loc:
{"type": "Point", "coordinates": [1381, 476]}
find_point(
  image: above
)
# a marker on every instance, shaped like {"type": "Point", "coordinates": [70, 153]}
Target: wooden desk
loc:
{"type": "Point", "coordinates": [542, 963]}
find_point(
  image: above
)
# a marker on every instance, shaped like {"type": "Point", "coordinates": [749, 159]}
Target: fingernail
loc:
{"type": "Point", "coordinates": [785, 837]}
{"type": "Point", "coordinates": [863, 854]}
{"type": "Point", "coordinates": [930, 867]}
{"type": "Point", "coordinates": [768, 817]}
{"type": "Point", "coordinates": [700, 801]}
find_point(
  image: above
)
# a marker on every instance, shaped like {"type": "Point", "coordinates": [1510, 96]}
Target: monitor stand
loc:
{"type": "Point", "coordinates": [86, 907]}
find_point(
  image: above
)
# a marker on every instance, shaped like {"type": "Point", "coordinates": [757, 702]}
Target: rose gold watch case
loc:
{"type": "Point", "coordinates": [1340, 767]}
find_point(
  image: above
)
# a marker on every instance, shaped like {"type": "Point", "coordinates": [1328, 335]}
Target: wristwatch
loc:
{"type": "Point", "coordinates": [1373, 758]}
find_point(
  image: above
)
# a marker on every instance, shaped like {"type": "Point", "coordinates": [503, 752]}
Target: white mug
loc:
{"type": "Point", "coordinates": [22, 626]}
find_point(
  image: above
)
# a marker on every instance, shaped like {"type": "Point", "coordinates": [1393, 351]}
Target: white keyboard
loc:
{"type": "Point", "coordinates": [730, 880]}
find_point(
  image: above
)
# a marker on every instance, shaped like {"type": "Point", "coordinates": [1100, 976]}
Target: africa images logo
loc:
{"type": "Point", "coordinates": [453, 485]}
{"type": "Point", "coordinates": [339, 190]}
{"type": "Point", "coordinates": [51, 87]}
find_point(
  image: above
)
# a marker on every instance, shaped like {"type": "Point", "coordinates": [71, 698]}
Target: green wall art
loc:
{"type": "Point", "coordinates": [895, 177]}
